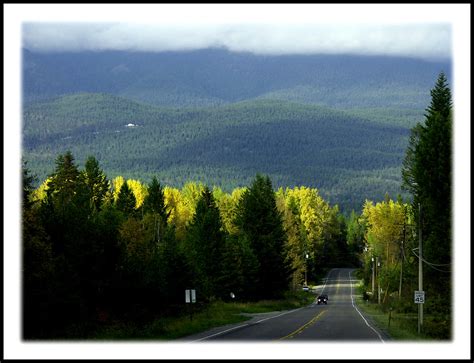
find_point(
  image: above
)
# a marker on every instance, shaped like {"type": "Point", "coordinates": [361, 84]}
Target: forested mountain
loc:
{"type": "Point", "coordinates": [348, 157]}
{"type": "Point", "coordinates": [336, 122]}
{"type": "Point", "coordinates": [217, 76]}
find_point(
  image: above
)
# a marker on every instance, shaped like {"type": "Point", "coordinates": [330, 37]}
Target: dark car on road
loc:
{"type": "Point", "coordinates": [322, 299]}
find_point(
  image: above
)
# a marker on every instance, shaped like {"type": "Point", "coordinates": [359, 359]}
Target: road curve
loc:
{"type": "Point", "coordinates": [339, 320]}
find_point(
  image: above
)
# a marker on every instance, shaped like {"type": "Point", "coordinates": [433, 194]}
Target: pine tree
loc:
{"type": "Point", "coordinates": [259, 220]}
{"type": "Point", "coordinates": [239, 270]}
{"type": "Point", "coordinates": [205, 243]}
{"type": "Point", "coordinates": [175, 272]}
{"type": "Point", "coordinates": [126, 201]}
{"type": "Point", "coordinates": [37, 264]}
{"type": "Point", "coordinates": [96, 182]}
{"type": "Point", "coordinates": [65, 214]}
{"type": "Point", "coordinates": [440, 98]}
{"type": "Point", "coordinates": [27, 185]}
{"type": "Point", "coordinates": [64, 182]}
{"type": "Point", "coordinates": [427, 174]}
{"type": "Point", "coordinates": [155, 201]}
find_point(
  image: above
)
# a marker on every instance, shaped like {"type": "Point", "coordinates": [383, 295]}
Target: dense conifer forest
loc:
{"type": "Point", "coordinates": [341, 154]}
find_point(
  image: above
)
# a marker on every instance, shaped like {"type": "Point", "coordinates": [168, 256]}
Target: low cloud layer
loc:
{"type": "Point", "coordinates": [423, 41]}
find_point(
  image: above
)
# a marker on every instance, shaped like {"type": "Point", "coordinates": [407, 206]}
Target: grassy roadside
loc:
{"type": "Point", "coordinates": [215, 314]}
{"type": "Point", "coordinates": [399, 326]}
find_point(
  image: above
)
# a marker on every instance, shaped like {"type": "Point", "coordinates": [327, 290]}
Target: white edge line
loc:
{"type": "Point", "coordinates": [352, 299]}
{"type": "Point", "coordinates": [272, 317]}
{"type": "Point", "coordinates": [246, 324]}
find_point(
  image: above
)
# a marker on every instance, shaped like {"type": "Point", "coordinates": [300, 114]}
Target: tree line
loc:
{"type": "Point", "coordinates": [95, 249]}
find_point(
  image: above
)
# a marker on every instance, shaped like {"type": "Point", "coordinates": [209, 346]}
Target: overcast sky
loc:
{"type": "Point", "coordinates": [414, 40]}
{"type": "Point", "coordinates": [414, 30]}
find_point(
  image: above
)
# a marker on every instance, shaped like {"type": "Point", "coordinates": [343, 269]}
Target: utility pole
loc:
{"type": "Point", "coordinates": [378, 281]}
{"type": "Point", "coordinates": [401, 277]}
{"type": "Point", "coordinates": [306, 269]}
{"type": "Point", "coordinates": [373, 277]}
{"type": "Point", "coordinates": [401, 256]}
{"type": "Point", "coordinates": [420, 270]}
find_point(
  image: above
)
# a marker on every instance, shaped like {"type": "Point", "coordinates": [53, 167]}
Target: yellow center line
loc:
{"type": "Point", "coordinates": [300, 329]}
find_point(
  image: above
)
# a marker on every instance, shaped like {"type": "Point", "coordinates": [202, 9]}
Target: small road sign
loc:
{"type": "Point", "coordinates": [419, 297]}
{"type": "Point", "coordinates": [190, 296]}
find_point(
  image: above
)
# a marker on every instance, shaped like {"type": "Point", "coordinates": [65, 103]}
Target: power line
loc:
{"type": "Point", "coordinates": [432, 265]}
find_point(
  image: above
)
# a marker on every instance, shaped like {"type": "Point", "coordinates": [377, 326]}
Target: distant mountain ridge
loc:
{"type": "Point", "coordinates": [217, 76]}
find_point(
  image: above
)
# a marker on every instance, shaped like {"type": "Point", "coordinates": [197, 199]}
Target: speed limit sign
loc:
{"type": "Point", "coordinates": [419, 297]}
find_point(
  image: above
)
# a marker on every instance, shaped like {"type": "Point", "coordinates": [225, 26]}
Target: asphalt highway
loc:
{"type": "Point", "coordinates": [339, 320]}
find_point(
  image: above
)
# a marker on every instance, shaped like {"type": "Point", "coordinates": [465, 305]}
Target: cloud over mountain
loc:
{"type": "Point", "coordinates": [413, 40]}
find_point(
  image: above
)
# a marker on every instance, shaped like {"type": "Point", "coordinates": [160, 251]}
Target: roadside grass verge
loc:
{"type": "Point", "coordinates": [197, 319]}
{"type": "Point", "coordinates": [399, 326]}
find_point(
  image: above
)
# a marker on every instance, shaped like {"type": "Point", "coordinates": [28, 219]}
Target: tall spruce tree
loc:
{"type": "Point", "coordinates": [205, 243]}
{"type": "Point", "coordinates": [154, 205]}
{"type": "Point", "coordinates": [65, 214]}
{"type": "Point", "coordinates": [155, 200]}
{"type": "Point", "coordinates": [259, 220]}
{"type": "Point", "coordinates": [240, 269]}
{"type": "Point", "coordinates": [65, 182]}
{"type": "Point", "coordinates": [27, 185]}
{"type": "Point", "coordinates": [96, 182]}
{"type": "Point", "coordinates": [126, 201]}
{"type": "Point", "coordinates": [427, 174]}
{"type": "Point", "coordinates": [38, 264]}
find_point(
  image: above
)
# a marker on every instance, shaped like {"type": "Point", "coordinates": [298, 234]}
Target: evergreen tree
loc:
{"type": "Point", "coordinates": [65, 215]}
{"type": "Point", "coordinates": [259, 220]}
{"type": "Point", "coordinates": [155, 200]}
{"type": "Point", "coordinates": [427, 174]}
{"type": "Point", "coordinates": [126, 201]}
{"type": "Point", "coordinates": [66, 208]}
{"type": "Point", "coordinates": [65, 179]}
{"type": "Point", "coordinates": [239, 269]}
{"type": "Point", "coordinates": [175, 272]}
{"type": "Point", "coordinates": [37, 264]}
{"type": "Point", "coordinates": [27, 185]}
{"type": "Point", "coordinates": [440, 98]}
{"type": "Point", "coordinates": [154, 204]}
{"type": "Point", "coordinates": [96, 182]}
{"type": "Point", "coordinates": [205, 243]}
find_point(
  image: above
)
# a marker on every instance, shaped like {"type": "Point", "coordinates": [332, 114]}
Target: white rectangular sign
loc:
{"type": "Point", "coordinates": [419, 297]}
{"type": "Point", "coordinates": [190, 296]}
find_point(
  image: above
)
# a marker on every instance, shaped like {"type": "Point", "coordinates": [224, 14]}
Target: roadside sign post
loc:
{"type": "Point", "coordinates": [420, 273]}
{"type": "Point", "coordinates": [190, 298]}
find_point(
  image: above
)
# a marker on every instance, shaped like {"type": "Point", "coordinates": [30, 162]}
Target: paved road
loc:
{"type": "Point", "coordinates": [339, 320]}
